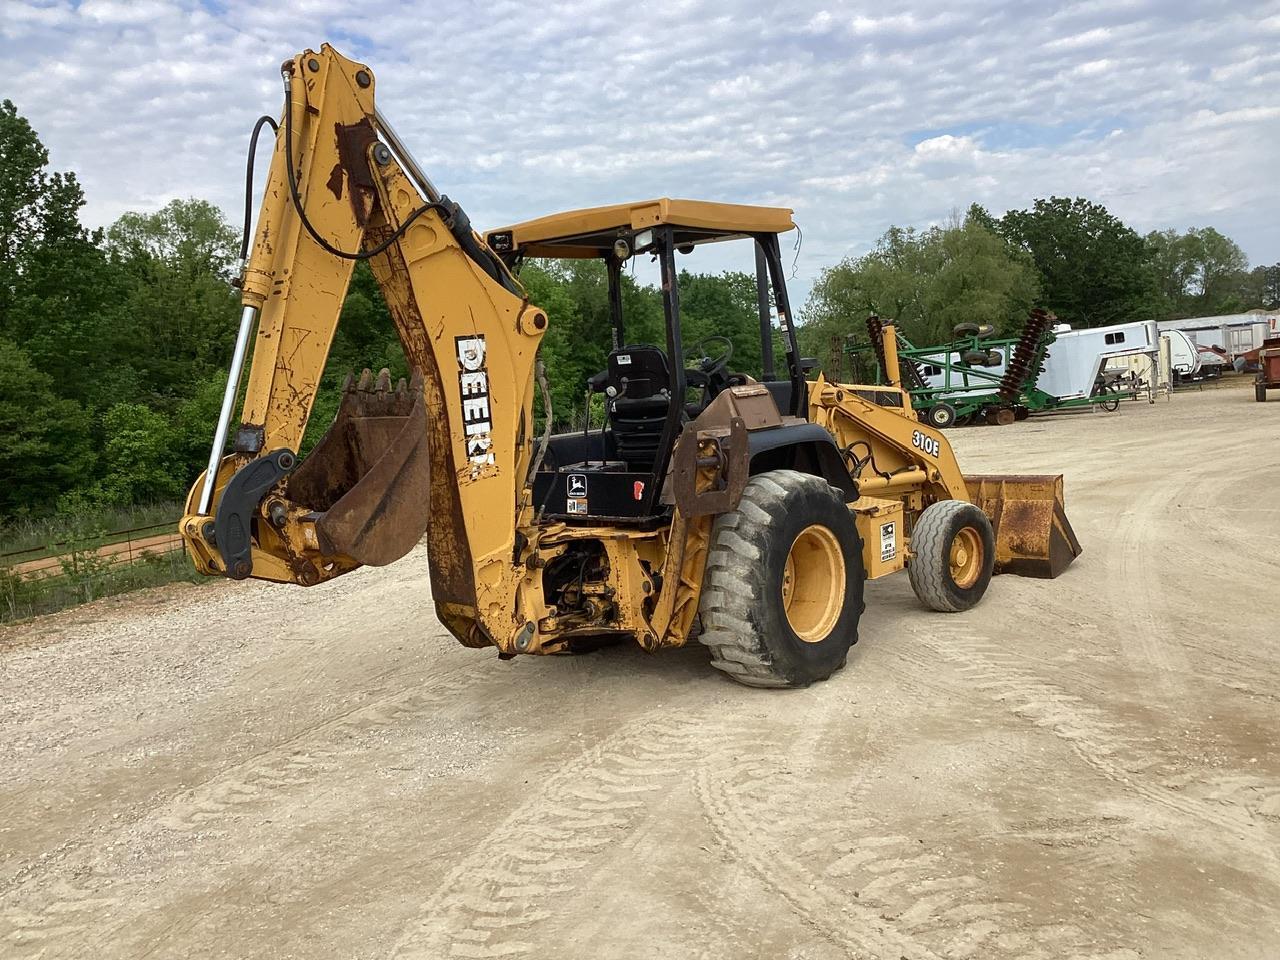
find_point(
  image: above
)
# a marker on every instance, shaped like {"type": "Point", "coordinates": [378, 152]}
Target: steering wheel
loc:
{"type": "Point", "coordinates": [710, 364]}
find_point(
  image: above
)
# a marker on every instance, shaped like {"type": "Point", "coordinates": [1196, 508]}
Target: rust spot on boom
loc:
{"type": "Point", "coordinates": [354, 140]}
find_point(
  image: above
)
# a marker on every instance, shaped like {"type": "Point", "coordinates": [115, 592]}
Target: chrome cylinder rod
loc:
{"type": "Point", "coordinates": [406, 158]}
{"type": "Point", "coordinates": [228, 406]}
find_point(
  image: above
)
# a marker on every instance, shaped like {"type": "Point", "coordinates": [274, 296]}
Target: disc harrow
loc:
{"type": "Point", "coordinates": [1026, 362]}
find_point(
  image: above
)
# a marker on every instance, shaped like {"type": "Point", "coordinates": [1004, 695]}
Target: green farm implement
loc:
{"type": "Point", "coordinates": [978, 378]}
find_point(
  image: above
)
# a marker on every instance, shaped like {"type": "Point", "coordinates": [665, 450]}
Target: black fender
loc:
{"type": "Point", "coordinates": [805, 447]}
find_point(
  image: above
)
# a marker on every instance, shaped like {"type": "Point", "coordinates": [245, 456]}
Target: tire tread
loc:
{"type": "Point", "coordinates": [729, 598]}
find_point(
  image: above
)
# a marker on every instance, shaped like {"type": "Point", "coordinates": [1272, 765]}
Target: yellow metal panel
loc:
{"type": "Point", "coordinates": [534, 237]}
{"type": "Point", "coordinates": [880, 527]}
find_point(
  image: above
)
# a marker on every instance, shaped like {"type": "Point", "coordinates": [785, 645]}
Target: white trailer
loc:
{"type": "Point", "coordinates": [1236, 333]}
{"type": "Point", "coordinates": [1184, 358]}
{"type": "Point", "coordinates": [1078, 357]}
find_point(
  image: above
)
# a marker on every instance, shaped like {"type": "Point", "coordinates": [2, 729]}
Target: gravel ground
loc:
{"type": "Point", "coordinates": [1085, 767]}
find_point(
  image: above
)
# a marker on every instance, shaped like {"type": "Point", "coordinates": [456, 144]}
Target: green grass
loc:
{"type": "Point", "coordinates": [79, 530]}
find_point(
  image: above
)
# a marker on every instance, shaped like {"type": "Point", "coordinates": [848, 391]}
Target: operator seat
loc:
{"type": "Point", "coordinates": [640, 380]}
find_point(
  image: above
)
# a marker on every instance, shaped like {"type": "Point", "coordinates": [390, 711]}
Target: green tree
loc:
{"type": "Point", "coordinates": [1263, 287]}
{"type": "Point", "coordinates": [138, 457]}
{"type": "Point", "coordinates": [1201, 272]}
{"type": "Point", "coordinates": [928, 282]}
{"type": "Point", "coordinates": [563, 355]}
{"type": "Point", "coordinates": [44, 439]}
{"type": "Point", "coordinates": [193, 422]}
{"type": "Point", "coordinates": [57, 293]}
{"type": "Point", "coordinates": [366, 336]}
{"type": "Point", "coordinates": [723, 305]}
{"type": "Point", "coordinates": [179, 313]}
{"type": "Point", "coordinates": [1093, 269]}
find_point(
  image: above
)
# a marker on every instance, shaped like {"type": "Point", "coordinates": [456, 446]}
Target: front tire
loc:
{"type": "Point", "coordinates": [953, 551]}
{"type": "Point", "coordinates": [783, 589]}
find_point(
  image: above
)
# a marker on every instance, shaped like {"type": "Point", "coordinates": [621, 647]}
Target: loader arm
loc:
{"type": "Point", "coordinates": [450, 452]}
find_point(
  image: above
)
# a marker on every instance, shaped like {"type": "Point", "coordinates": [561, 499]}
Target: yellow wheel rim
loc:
{"type": "Point", "coordinates": [965, 559]}
{"type": "Point", "coordinates": [813, 583]}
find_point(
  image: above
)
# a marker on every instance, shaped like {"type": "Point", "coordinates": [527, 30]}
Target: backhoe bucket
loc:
{"type": "Point", "coordinates": [369, 474]}
{"type": "Point", "coordinates": [1033, 535]}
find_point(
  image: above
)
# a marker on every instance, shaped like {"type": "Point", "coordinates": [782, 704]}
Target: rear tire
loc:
{"type": "Point", "coordinates": [953, 551]}
{"type": "Point", "coordinates": [783, 589]}
{"type": "Point", "coordinates": [1260, 393]}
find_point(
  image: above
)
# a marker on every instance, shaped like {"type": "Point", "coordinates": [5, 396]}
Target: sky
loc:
{"type": "Point", "coordinates": [858, 116]}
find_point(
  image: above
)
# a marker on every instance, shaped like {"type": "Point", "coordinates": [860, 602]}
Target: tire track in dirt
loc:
{"type": "Point", "coordinates": [1107, 745]}
{"type": "Point", "coordinates": [69, 906]}
{"type": "Point", "coordinates": [1134, 586]}
{"type": "Point", "coordinates": [875, 893]}
{"type": "Point", "coordinates": [491, 904]}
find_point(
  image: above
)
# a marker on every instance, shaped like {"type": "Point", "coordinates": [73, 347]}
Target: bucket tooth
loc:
{"type": "Point", "coordinates": [1028, 514]}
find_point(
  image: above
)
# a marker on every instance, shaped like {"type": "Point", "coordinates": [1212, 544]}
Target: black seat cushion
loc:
{"type": "Point", "coordinates": [638, 371]}
{"type": "Point", "coordinates": [641, 381]}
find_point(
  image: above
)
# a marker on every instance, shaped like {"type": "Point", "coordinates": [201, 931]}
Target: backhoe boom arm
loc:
{"type": "Point", "coordinates": [450, 452]}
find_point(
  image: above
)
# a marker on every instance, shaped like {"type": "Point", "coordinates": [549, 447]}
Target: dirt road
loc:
{"type": "Point", "coordinates": [1085, 767]}
{"type": "Point", "coordinates": [125, 551]}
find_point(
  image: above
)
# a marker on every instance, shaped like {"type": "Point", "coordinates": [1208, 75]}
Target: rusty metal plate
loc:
{"type": "Point", "coordinates": [369, 476]}
{"type": "Point", "coordinates": [1034, 538]}
{"type": "Point", "coordinates": [727, 469]}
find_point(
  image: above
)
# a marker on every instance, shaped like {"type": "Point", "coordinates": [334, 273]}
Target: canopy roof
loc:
{"type": "Point", "coordinates": [593, 231]}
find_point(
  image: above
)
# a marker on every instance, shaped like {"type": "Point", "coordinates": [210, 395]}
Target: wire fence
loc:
{"type": "Point", "coordinates": [41, 580]}
{"type": "Point", "coordinates": [120, 546]}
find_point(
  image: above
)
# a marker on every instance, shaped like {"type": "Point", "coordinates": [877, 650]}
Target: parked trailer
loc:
{"type": "Point", "coordinates": [1183, 355]}
{"type": "Point", "coordinates": [1234, 333]}
{"type": "Point", "coordinates": [1079, 356]}
{"type": "Point", "coordinates": [1268, 369]}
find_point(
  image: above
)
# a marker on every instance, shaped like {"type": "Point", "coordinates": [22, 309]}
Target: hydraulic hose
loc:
{"type": "Point", "coordinates": [302, 213]}
{"type": "Point", "coordinates": [263, 121]}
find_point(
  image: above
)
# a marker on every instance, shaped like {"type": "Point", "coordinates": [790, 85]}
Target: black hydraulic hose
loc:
{"type": "Point", "coordinates": [870, 458]}
{"type": "Point", "coordinates": [248, 183]}
{"type": "Point", "coordinates": [302, 214]}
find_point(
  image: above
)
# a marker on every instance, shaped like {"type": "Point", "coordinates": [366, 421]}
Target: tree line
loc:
{"type": "Point", "coordinates": [1069, 255]}
{"type": "Point", "coordinates": [114, 342]}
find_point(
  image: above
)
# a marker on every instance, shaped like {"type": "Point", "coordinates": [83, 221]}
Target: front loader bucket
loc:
{"type": "Point", "coordinates": [369, 474]}
{"type": "Point", "coordinates": [1033, 535]}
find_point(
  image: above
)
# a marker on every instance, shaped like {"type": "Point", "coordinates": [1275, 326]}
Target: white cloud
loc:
{"type": "Point", "coordinates": [1088, 38]}
{"type": "Point", "coordinates": [1163, 109]}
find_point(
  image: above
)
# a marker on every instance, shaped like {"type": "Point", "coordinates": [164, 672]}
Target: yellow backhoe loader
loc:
{"type": "Point", "coordinates": [745, 510]}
